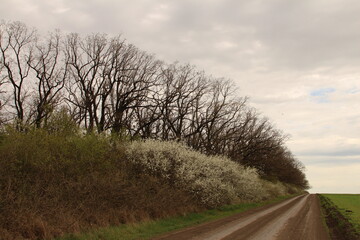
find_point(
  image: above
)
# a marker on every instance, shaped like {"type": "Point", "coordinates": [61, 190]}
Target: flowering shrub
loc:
{"type": "Point", "coordinates": [214, 180]}
{"type": "Point", "coordinates": [274, 189]}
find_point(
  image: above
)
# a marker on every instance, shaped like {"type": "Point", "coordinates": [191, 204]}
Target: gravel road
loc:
{"type": "Point", "coordinates": [297, 218]}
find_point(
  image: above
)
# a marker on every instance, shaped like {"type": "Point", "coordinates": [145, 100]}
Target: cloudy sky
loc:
{"type": "Point", "coordinates": [298, 61]}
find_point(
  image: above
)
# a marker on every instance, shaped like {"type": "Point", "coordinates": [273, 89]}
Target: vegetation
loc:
{"type": "Point", "coordinates": [59, 180]}
{"type": "Point", "coordinates": [108, 85]}
{"type": "Point", "coordinates": [55, 183]}
{"type": "Point", "coordinates": [214, 180]}
{"type": "Point", "coordinates": [149, 229]}
{"type": "Point", "coordinates": [342, 215]}
{"type": "Point", "coordinates": [95, 132]}
{"type": "Point", "coordinates": [348, 205]}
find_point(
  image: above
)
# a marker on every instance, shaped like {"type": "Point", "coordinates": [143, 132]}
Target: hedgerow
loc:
{"type": "Point", "coordinates": [58, 180]}
{"type": "Point", "coordinates": [214, 180]}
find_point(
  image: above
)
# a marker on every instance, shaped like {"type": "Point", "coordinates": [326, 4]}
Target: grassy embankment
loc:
{"type": "Point", "coordinates": [342, 212]}
{"type": "Point", "coordinates": [58, 180]}
{"type": "Point", "coordinates": [148, 229]}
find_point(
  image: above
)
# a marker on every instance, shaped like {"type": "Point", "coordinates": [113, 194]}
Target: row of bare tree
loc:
{"type": "Point", "coordinates": [109, 85]}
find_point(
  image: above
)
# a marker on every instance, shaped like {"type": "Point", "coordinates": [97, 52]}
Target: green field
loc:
{"type": "Point", "coordinates": [349, 206]}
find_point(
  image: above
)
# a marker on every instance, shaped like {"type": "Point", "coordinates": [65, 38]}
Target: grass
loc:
{"type": "Point", "coordinates": [348, 205]}
{"type": "Point", "coordinates": [149, 229]}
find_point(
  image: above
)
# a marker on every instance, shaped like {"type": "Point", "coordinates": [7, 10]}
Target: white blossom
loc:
{"type": "Point", "coordinates": [214, 180]}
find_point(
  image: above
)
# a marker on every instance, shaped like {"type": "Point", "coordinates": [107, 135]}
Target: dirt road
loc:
{"type": "Point", "coordinates": [296, 218]}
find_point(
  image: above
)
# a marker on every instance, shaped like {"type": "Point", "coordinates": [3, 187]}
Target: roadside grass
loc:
{"type": "Point", "coordinates": [349, 206]}
{"type": "Point", "coordinates": [148, 229]}
{"type": "Point", "coordinates": [341, 215]}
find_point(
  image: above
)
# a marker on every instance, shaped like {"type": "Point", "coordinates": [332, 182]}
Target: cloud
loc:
{"type": "Point", "coordinates": [322, 92]}
{"type": "Point", "coordinates": [344, 152]}
{"type": "Point", "coordinates": [353, 90]}
{"type": "Point", "coordinates": [321, 95]}
{"type": "Point", "coordinates": [334, 179]}
{"type": "Point", "coordinates": [61, 10]}
{"type": "Point", "coordinates": [329, 160]}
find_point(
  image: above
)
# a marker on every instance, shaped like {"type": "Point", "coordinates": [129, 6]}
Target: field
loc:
{"type": "Point", "coordinates": [342, 213]}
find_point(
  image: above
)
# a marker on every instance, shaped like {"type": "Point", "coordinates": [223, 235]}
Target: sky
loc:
{"type": "Point", "coordinates": [297, 61]}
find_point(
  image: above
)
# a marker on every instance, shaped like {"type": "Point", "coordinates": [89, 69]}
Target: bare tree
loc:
{"type": "Point", "coordinates": [110, 80]}
{"type": "Point", "coordinates": [135, 82]}
{"type": "Point", "coordinates": [51, 74]}
{"type": "Point", "coordinates": [112, 85]}
{"type": "Point", "coordinates": [2, 91]}
{"type": "Point", "coordinates": [183, 91]}
{"type": "Point", "coordinates": [222, 110]}
{"type": "Point", "coordinates": [146, 119]}
{"type": "Point", "coordinates": [85, 59]}
{"type": "Point", "coordinates": [16, 42]}
{"type": "Point", "coordinates": [109, 74]}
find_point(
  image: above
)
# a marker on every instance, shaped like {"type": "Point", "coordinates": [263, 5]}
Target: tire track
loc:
{"type": "Point", "coordinates": [270, 225]}
{"type": "Point", "coordinates": [295, 218]}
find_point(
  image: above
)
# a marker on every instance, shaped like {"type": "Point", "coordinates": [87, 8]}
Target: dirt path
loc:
{"type": "Point", "coordinates": [295, 218]}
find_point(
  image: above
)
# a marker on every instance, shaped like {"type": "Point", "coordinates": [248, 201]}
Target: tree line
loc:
{"type": "Point", "coordinates": [108, 85]}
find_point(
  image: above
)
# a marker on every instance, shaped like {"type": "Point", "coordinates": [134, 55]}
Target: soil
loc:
{"type": "Point", "coordinates": [296, 218]}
